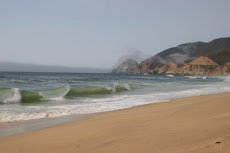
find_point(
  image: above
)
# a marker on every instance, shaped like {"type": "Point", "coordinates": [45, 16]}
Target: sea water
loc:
{"type": "Point", "coordinates": [27, 96]}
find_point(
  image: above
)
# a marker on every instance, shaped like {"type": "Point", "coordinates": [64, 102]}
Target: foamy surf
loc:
{"type": "Point", "coordinates": [115, 102]}
{"type": "Point", "coordinates": [196, 77]}
{"type": "Point", "coordinates": [10, 95]}
{"type": "Point", "coordinates": [47, 95]}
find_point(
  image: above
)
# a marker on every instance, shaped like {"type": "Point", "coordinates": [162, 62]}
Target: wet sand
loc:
{"type": "Point", "coordinates": [187, 125]}
{"type": "Point", "coordinates": [8, 129]}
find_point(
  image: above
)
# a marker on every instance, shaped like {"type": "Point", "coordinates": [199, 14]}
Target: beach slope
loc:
{"type": "Point", "coordinates": [188, 125]}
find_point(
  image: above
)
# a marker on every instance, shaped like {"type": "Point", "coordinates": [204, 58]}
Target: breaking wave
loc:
{"type": "Point", "coordinates": [10, 95]}
{"type": "Point", "coordinates": [14, 95]}
{"type": "Point", "coordinates": [87, 91]}
{"type": "Point", "coordinates": [54, 94]}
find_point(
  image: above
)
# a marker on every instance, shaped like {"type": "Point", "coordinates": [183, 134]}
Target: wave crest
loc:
{"type": "Point", "coordinates": [10, 95]}
{"type": "Point", "coordinates": [87, 91]}
{"type": "Point", "coordinates": [14, 95]}
{"type": "Point", "coordinates": [54, 94]}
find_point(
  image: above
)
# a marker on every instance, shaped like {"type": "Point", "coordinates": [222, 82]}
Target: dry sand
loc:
{"type": "Point", "coordinates": [186, 125]}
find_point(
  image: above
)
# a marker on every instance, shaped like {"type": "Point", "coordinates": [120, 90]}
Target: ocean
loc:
{"type": "Point", "coordinates": [30, 95]}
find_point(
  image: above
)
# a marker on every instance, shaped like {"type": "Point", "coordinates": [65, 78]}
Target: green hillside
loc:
{"type": "Point", "coordinates": [220, 56]}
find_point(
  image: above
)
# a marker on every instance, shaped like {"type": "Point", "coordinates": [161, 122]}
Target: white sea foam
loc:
{"type": "Point", "coordinates": [126, 85]}
{"type": "Point", "coordinates": [116, 85]}
{"type": "Point", "coordinates": [197, 77]}
{"type": "Point", "coordinates": [227, 79]}
{"type": "Point", "coordinates": [10, 95]}
{"type": "Point", "coordinates": [16, 97]}
{"type": "Point", "coordinates": [6, 118]}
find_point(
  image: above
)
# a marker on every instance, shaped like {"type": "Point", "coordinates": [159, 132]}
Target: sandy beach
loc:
{"type": "Point", "coordinates": [187, 125]}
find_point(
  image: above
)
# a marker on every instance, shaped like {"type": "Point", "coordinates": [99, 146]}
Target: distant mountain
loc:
{"type": "Point", "coordinates": [18, 67]}
{"type": "Point", "coordinates": [217, 50]}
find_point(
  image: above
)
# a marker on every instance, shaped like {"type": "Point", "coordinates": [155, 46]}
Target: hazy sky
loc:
{"type": "Point", "coordinates": [95, 33]}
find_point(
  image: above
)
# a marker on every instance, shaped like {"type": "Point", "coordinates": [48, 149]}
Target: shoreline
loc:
{"type": "Point", "coordinates": [190, 124]}
{"type": "Point", "coordinates": [25, 126]}
{"type": "Point", "coordinates": [20, 127]}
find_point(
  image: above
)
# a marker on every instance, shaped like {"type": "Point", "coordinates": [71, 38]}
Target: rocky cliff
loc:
{"type": "Point", "coordinates": [191, 58]}
{"type": "Point", "coordinates": [202, 60]}
{"type": "Point", "coordinates": [199, 66]}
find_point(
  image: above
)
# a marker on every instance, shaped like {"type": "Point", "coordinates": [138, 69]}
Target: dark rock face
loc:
{"type": "Point", "coordinates": [125, 66]}
{"type": "Point", "coordinates": [183, 60]}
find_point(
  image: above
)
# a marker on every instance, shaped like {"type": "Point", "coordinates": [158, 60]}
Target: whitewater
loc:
{"type": "Point", "coordinates": [27, 96]}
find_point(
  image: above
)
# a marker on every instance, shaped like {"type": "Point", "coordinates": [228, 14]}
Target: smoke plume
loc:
{"type": "Point", "coordinates": [132, 53]}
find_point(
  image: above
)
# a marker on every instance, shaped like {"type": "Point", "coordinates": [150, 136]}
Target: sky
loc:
{"type": "Point", "coordinates": [96, 33]}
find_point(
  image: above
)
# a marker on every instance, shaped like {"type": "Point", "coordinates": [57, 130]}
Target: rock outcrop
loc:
{"type": "Point", "coordinates": [202, 61]}
{"type": "Point", "coordinates": [199, 66]}
{"type": "Point", "coordinates": [125, 66]}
